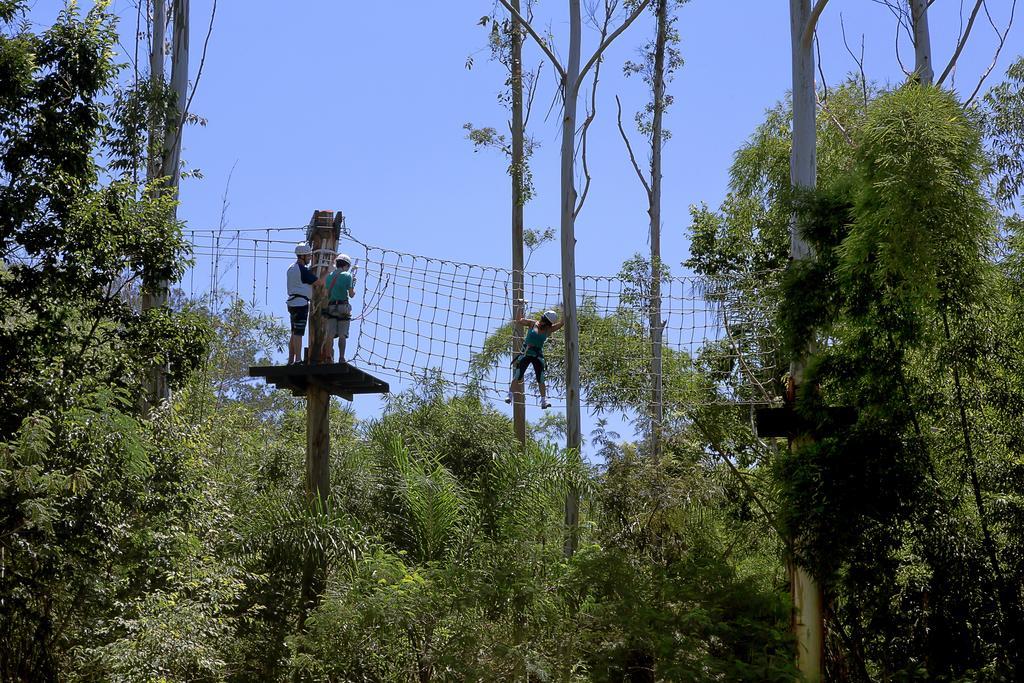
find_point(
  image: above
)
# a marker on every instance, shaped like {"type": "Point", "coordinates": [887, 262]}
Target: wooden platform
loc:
{"type": "Point", "coordinates": [339, 379]}
{"type": "Point", "coordinates": [784, 422]}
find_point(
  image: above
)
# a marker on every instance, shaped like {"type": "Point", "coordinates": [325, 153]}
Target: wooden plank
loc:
{"type": "Point", "coordinates": [339, 379]}
{"type": "Point", "coordinates": [785, 423]}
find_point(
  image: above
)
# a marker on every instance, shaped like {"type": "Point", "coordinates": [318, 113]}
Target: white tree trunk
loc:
{"type": "Point", "coordinates": [570, 90]}
{"type": "Point", "coordinates": [808, 619]}
{"type": "Point", "coordinates": [922, 42]}
{"type": "Point", "coordinates": [157, 389]}
{"type": "Point", "coordinates": [179, 89]}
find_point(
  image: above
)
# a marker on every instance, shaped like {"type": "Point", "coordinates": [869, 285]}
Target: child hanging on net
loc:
{"type": "Point", "coordinates": [533, 353]}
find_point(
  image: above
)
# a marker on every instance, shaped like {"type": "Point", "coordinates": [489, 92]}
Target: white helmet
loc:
{"type": "Point", "coordinates": [343, 258]}
{"type": "Point", "coordinates": [302, 249]}
{"type": "Point", "coordinates": [551, 317]}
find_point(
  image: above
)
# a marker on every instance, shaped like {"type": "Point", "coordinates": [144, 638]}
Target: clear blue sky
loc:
{"type": "Point", "coordinates": [359, 107]}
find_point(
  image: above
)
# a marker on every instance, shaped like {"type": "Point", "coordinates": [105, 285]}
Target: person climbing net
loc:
{"type": "Point", "coordinates": [532, 353]}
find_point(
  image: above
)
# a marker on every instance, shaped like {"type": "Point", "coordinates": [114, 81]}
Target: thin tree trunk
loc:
{"type": "Point", "coordinates": [179, 90]}
{"type": "Point", "coordinates": [518, 160]}
{"type": "Point", "coordinates": [570, 75]}
{"type": "Point", "coordinates": [922, 42]}
{"type": "Point", "coordinates": [808, 615]}
{"type": "Point", "coordinates": [157, 388]}
{"type": "Point", "coordinates": [654, 211]}
{"type": "Point", "coordinates": [156, 79]}
{"type": "Point", "coordinates": [574, 438]}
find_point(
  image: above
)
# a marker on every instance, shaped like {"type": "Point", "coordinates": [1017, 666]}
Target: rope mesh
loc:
{"type": "Point", "coordinates": [420, 315]}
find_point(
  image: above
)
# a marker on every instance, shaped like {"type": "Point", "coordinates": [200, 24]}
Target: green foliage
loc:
{"type": "Point", "coordinates": [1004, 116]}
{"type": "Point", "coordinates": [902, 253]}
{"type": "Point", "coordinates": [102, 513]}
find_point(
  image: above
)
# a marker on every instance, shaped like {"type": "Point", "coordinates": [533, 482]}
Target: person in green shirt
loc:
{"type": "Point", "coordinates": [340, 286]}
{"type": "Point", "coordinates": [533, 353]}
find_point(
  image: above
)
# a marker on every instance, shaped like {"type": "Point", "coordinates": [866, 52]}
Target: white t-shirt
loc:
{"type": "Point", "coordinates": [299, 292]}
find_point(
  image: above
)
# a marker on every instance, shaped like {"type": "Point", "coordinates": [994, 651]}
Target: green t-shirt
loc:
{"type": "Point", "coordinates": [338, 284]}
{"type": "Point", "coordinates": [533, 345]}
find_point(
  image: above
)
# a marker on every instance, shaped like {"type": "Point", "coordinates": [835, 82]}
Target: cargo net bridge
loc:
{"type": "Point", "coordinates": [421, 319]}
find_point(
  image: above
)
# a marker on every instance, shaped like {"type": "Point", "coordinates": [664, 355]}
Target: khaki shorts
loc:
{"type": "Point", "coordinates": [339, 319]}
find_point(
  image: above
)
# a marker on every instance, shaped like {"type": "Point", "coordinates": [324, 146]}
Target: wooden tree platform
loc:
{"type": "Point", "coordinates": [338, 379]}
{"type": "Point", "coordinates": [785, 422]}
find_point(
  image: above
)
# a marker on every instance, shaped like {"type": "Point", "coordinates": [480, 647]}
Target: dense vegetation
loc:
{"type": "Point", "coordinates": [175, 543]}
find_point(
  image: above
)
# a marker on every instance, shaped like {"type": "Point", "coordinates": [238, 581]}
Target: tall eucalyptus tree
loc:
{"type": "Point", "coordinates": [660, 60]}
{"type": "Point", "coordinates": [571, 77]}
{"type": "Point", "coordinates": [165, 142]}
{"type": "Point", "coordinates": [808, 618]}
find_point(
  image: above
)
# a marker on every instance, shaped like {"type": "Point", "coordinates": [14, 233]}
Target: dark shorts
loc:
{"type": "Point", "coordinates": [299, 314]}
{"type": "Point", "coordinates": [522, 362]}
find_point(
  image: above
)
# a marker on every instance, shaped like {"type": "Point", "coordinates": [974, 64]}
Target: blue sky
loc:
{"type": "Point", "coordinates": [360, 107]}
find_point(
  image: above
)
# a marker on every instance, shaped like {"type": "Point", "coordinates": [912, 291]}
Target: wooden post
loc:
{"type": "Point", "coordinates": [808, 616]}
{"type": "Point", "coordinates": [323, 238]}
{"type": "Point", "coordinates": [518, 161]}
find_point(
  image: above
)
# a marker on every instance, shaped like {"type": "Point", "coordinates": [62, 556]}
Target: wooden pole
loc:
{"type": "Point", "coordinates": [323, 237]}
{"type": "Point", "coordinates": [518, 170]}
{"type": "Point", "coordinates": [808, 616]}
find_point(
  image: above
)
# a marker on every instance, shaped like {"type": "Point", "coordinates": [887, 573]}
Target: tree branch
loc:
{"type": "Point", "coordinates": [821, 69]}
{"type": "Point", "coordinates": [591, 115]}
{"type": "Point", "coordinates": [995, 59]}
{"type": "Point", "coordinates": [199, 71]}
{"type": "Point", "coordinates": [963, 41]}
{"type": "Point", "coordinates": [812, 22]}
{"type": "Point", "coordinates": [608, 41]}
{"type": "Point", "coordinates": [531, 92]}
{"type": "Point", "coordinates": [629, 148]}
{"type": "Point", "coordinates": [537, 39]}
{"type": "Point", "coordinates": [859, 62]}
{"type": "Point", "coordinates": [842, 129]}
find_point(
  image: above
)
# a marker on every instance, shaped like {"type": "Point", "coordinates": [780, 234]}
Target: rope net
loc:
{"type": "Point", "coordinates": [418, 316]}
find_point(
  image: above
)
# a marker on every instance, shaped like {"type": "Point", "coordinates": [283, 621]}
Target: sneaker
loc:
{"type": "Point", "coordinates": [544, 404]}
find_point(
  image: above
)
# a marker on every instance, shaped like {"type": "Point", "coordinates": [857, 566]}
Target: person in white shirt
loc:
{"type": "Point", "coordinates": [300, 292]}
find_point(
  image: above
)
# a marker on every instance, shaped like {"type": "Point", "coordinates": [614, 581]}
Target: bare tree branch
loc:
{"type": "Point", "coordinates": [899, 58]}
{"type": "Point", "coordinates": [531, 92]}
{"type": "Point", "coordinates": [901, 23]}
{"type": "Point", "coordinates": [536, 38]}
{"type": "Point", "coordinates": [961, 43]}
{"type": "Point", "coordinates": [821, 70]}
{"type": "Point", "coordinates": [812, 21]}
{"type": "Point", "coordinates": [725, 457]}
{"type": "Point", "coordinates": [609, 9]}
{"type": "Point", "coordinates": [825, 108]}
{"type": "Point", "coordinates": [608, 40]}
{"type": "Point", "coordinates": [859, 62]}
{"type": "Point", "coordinates": [199, 72]}
{"type": "Point", "coordinates": [629, 148]}
{"type": "Point", "coordinates": [995, 59]}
